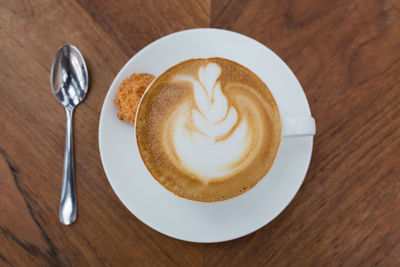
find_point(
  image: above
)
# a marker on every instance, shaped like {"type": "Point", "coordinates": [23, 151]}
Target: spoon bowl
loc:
{"type": "Point", "coordinates": [69, 82]}
{"type": "Point", "coordinates": [69, 76]}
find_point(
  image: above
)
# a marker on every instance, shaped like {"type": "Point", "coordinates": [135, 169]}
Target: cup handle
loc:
{"type": "Point", "coordinates": [298, 126]}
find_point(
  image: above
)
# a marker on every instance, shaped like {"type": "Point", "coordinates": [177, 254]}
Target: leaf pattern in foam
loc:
{"type": "Point", "coordinates": [208, 76]}
{"type": "Point", "coordinates": [213, 116]}
{"type": "Point", "coordinates": [218, 105]}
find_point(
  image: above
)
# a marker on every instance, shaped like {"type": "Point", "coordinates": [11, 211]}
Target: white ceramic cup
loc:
{"type": "Point", "coordinates": [292, 126]}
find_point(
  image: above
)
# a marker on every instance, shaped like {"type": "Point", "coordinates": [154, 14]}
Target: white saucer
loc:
{"type": "Point", "coordinates": [191, 220]}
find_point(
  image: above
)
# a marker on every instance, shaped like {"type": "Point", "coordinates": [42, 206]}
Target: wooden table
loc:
{"type": "Point", "coordinates": [346, 55]}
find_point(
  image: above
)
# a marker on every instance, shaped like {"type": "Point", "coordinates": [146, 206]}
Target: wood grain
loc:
{"type": "Point", "coordinates": [344, 53]}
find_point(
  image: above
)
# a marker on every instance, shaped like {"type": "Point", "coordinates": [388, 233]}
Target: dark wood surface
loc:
{"type": "Point", "coordinates": [346, 55]}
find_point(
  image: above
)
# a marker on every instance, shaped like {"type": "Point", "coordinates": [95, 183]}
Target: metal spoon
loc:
{"type": "Point", "coordinates": [69, 81]}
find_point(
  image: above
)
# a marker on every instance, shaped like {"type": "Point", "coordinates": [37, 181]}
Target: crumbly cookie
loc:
{"type": "Point", "coordinates": [129, 93]}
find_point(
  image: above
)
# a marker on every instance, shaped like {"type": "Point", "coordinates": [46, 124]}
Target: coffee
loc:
{"type": "Point", "coordinates": [208, 129]}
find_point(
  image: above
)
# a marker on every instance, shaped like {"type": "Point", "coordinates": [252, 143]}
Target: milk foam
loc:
{"type": "Point", "coordinates": [210, 138]}
{"type": "Point", "coordinates": [208, 129]}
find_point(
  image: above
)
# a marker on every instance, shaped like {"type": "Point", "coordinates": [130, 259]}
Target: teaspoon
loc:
{"type": "Point", "coordinates": [69, 81]}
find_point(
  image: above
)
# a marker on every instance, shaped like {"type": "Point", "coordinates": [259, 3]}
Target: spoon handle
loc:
{"type": "Point", "coordinates": [68, 194]}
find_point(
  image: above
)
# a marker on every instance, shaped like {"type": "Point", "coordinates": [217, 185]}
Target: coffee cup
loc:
{"type": "Point", "coordinates": [209, 129]}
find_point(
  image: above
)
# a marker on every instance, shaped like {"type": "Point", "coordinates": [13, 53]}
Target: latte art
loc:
{"type": "Point", "coordinates": [208, 129]}
{"type": "Point", "coordinates": [208, 125]}
{"type": "Point", "coordinates": [211, 114]}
